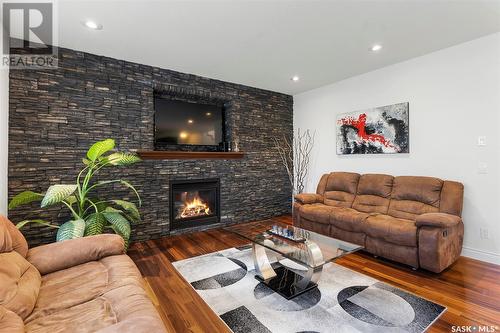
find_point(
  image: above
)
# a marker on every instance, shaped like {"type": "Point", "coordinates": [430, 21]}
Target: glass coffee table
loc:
{"type": "Point", "coordinates": [297, 264]}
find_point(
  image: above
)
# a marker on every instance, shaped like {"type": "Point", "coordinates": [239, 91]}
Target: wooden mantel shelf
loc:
{"type": "Point", "coordinates": [188, 155]}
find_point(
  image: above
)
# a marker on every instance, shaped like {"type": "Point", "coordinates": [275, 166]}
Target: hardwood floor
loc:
{"type": "Point", "coordinates": [470, 289]}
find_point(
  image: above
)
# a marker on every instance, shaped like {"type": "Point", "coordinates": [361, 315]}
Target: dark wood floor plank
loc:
{"type": "Point", "coordinates": [470, 289]}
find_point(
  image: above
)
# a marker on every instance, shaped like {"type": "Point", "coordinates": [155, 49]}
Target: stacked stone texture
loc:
{"type": "Point", "coordinates": [56, 114]}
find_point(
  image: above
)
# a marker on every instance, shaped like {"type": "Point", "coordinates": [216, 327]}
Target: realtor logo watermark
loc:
{"type": "Point", "coordinates": [29, 33]}
{"type": "Point", "coordinates": [474, 329]}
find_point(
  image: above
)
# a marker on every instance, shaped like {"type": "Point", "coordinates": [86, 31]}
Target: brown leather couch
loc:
{"type": "Point", "coordinates": [411, 220]}
{"type": "Point", "coordinates": [80, 285]}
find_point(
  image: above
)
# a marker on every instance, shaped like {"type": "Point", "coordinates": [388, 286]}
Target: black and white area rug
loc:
{"type": "Point", "coordinates": [345, 301]}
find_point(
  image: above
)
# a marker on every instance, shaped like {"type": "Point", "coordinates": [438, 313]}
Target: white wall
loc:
{"type": "Point", "coordinates": [454, 97]}
{"type": "Point", "coordinates": [4, 136]}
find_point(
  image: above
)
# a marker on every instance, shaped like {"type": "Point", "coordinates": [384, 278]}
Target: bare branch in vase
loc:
{"type": "Point", "coordinates": [295, 156]}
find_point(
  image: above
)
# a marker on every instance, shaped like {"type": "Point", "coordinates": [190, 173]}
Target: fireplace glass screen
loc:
{"type": "Point", "coordinates": [194, 202]}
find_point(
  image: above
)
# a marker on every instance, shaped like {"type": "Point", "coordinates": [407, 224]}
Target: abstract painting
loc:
{"type": "Point", "coordinates": [380, 130]}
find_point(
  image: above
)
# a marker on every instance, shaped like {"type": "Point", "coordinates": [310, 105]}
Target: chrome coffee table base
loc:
{"type": "Point", "coordinates": [286, 281]}
{"type": "Point", "coordinates": [298, 265]}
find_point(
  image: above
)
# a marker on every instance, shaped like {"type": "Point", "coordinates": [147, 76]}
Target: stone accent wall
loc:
{"type": "Point", "coordinates": [56, 114]}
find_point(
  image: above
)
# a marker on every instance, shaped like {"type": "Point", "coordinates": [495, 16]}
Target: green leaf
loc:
{"type": "Point", "coordinates": [86, 161]}
{"type": "Point", "coordinates": [92, 205]}
{"type": "Point", "coordinates": [94, 224]}
{"type": "Point", "coordinates": [57, 193]}
{"type": "Point", "coordinates": [70, 230]}
{"type": "Point", "coordinates": [41, 222]}
{"type": "Point", "coordinates": [110, 209]}
{"type": "Point", "coordinates": [123, 182]}
{"type": "Point", "coordinates": [119, 224]}
{"type": "Point", "coordinates": [130, 208]}
{"type": "Point", "coordinates": [127, 184]}
{"type": "Point", "coordinates": [71, 199]}
{"type": "Point", "coordinates": [23, 198]}
{"type": "Point", "coordinates": [101, 205]}
{"type": "Point", "coordinates": [100, 148]}
{"type": "Point", "coordinates": [120, 158]}
{"type": "Point", "coordinates": [125, 239]}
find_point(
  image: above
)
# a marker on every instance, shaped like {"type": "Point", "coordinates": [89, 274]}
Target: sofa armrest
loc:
{"type": "Point", "coordinates": [440, 220]}
{"type": "Point", "coordinates": [61, 255]}
{"type": "Point", "coordinates": [10, 322]}
{"type": "Point", "coordinates": [308, 198]}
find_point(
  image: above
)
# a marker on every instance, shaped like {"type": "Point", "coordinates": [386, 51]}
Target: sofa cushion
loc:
{"type": "Point", "coordinates": [64, 289]}
{"type": "Point", "coordinates": [19, 284]}
{"type": "Point", "coordinates": [404, 254]}
{"type": "Point", "coordinates": [422, 189]}
{"type": "Point", "coordinates": [348, 236]}
{"type": "Point", "coordinates": [348, 219]}
{"type": "Point", "coordinates": [320, 189]}
{"type": "Point", "coordinates": [10, 322]}
{"type": "Point", "coordinates": [98, 296]}
{"type": "Point", "coordinates": [390, 229]}
{"type": "Point", "coordinates": [134, 311]}
{"type": "Point", "coordinates": [320, 228]}
{"type": "Point", "coordinates": [409, 209]}
{"type": "Point", "coordinates": [79, 284]}
{"type": "Point", "coordinates": [412, 196]}
{"type": "Point", "coordinates": [89, 316]}
{"type": "Point", "coordinates": [73, 252]}
{"type": "Point", "coordinates": [341, 189]}
{"type": "Point", "coordinates": [371, 204]}
{"type": "Point", "coordinates": [375, 184]}
{"type": "Point", "coordinates": [342, 181]}
{"type": "Point", "coordinates": [11, 239]}
{"type": "Point", "coordinates": [338, 199]}
{"type": "Point", "coordinates": [138, 324]}
{"type": "Point", "coordinates": [318, 213]}
{"type": "Point", "coordinates": [123, 309]}
{"type": "Point", "coordinates": [373, 193]}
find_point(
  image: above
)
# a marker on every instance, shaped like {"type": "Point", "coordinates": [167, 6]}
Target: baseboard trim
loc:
{"type": "Point", "coordinates": [482, 255]}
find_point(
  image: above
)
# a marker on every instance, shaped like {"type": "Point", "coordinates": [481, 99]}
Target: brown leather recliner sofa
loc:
{"type": "Point", "coordinates": [411, 220]}
{"type": "Point", "coordinates": [80, 285]}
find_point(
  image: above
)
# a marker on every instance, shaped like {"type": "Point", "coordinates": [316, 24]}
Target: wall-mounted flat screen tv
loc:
{"type": "Point", "coordinates": [183, 123]}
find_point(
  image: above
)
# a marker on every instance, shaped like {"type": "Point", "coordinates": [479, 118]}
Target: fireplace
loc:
{"type": "Point", "coordinates": [194, 203]}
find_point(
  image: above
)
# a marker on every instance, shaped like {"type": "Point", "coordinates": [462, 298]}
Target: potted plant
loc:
{"type": "Point", "coordinates": [90, 216]}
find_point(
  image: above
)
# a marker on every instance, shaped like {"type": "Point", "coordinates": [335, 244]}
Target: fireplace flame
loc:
{"type": "Point", "coordinates": [195, 207]}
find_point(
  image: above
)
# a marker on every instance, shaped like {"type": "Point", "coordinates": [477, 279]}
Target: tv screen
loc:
{"type": "Point", "coordinates": [183, 123]}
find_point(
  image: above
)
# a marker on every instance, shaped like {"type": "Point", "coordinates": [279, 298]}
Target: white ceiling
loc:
{"type": "Point", "coordinates": [264, 43]}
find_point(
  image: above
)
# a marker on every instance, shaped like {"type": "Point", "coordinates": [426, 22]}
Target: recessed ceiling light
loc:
{"type": "Point", "coordinates": [208, 114]}
{"type": "Point", "coordinates": [190, 121]}
{"type": "Point", "coordinates": [376, 47]}
{"type": "Point", "coordinates": [295, 78]}
{"type": "Point", "coordinates": [93, 25]}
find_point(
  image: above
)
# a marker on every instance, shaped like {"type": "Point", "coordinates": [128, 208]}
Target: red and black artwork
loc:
{"type": "Point", "coordinates": [381, 130]}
